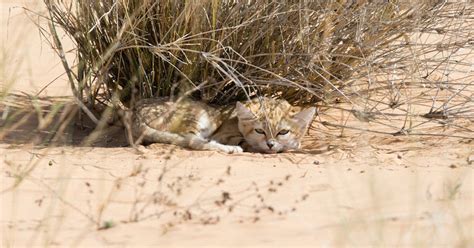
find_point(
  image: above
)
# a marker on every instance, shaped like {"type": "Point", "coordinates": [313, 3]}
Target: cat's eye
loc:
{"type": "Point", "coordinates": [259, 131]}
{"type": "Point", "coordinates": [283, 132]}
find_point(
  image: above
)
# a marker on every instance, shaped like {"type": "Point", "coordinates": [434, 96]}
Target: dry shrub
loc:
{"type": "Point", "coordinates": [223, 51]}
{"type": "Point", "coordinates": [402, 67]}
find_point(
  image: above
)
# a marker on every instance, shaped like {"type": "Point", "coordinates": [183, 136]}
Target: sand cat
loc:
{"type": "Point", "coordinates": [263, 125]}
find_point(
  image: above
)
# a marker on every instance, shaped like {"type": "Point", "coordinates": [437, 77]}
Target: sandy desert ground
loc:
{"type": "Point", "coordinates": [358, 190]}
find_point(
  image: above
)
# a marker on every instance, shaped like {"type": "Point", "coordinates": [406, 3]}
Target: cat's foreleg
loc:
{"type": "Point", "coordinates": [192, 141]}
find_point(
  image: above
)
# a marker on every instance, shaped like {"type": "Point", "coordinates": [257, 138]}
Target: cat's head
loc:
{"type": "Point", "coordinates": [270, 126]}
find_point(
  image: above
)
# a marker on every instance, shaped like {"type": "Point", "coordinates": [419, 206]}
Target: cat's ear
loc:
{"type": "Point", "coordinates": [243, 113]}
{"type": "Point", "coordinates": [305, 117]}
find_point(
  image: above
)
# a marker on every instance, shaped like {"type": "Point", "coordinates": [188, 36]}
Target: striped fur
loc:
{"type": "Point", "coordinates": [254, 125]}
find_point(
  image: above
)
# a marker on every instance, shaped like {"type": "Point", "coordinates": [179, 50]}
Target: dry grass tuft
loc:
{"type": "Point", "coordinates": [223, 51]}
{"type": "Point", "coordinates": [401, 68]}
{"type": "Point", "coordinates": [399, 65]}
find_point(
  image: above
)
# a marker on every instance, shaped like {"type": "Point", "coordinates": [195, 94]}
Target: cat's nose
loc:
{"type": "Point", "coordinates": [270, 143]}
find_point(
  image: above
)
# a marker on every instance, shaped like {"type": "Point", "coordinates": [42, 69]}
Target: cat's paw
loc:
{"type": "Point", "coordinates": [216, 146]}
{"type": "Point", "coordinates": [232, 149]}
